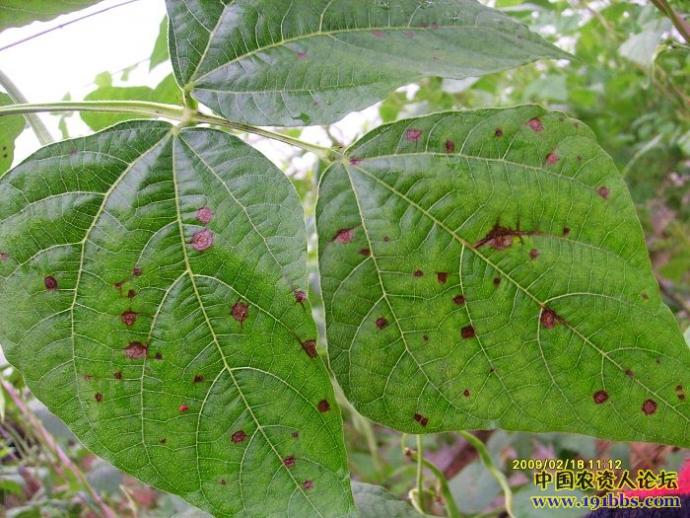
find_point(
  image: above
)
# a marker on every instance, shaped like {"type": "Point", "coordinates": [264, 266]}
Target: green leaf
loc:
{"type": "Point", "coordinates": [148, 295]}
{"type": "Point", "coordinates": [313, 61]}
{"type": "Point", "coordinates": [486, 269]}
{"type": "Point", "coordinates": [160, 49]}
{"type": "Point", "coordinates": [10, 128]}
{"type": "Point", "coordinates": [376, 502]}
{"type": "Point", "coordinates": [15, 13]}
{"type": "Point", "coordinates": [167, 91]}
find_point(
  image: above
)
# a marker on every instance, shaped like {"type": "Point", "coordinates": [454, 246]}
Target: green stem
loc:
{"type": "Point", "coordinates": [485, 456]}
{"type": "Point", "coordinates": [42, 133]}
{"type": "Point", "coordinates": [420, 472]}
{"type": "Point", "coordinates": [169, 111]}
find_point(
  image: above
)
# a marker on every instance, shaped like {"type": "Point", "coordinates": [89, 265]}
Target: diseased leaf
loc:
{"type": "Point", "coordinates": [148, 295]}
{"type": "Point", "coordinates": [167, 91]}
{"type": "Point", "coordinates": [10, 128]}
{"type": "Point", "coordinates": [376, 502]}
{"type": "Point", "coordinates": [313, 61]}
{"type": "Point", "coordinates": [487, 269]}
{"type": "Point", "coordinates": [15, 13]}
{"type": "Point", "coordinates": [160, 52]}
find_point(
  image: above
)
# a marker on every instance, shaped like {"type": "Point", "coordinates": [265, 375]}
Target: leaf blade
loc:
{"type": "Point", "coordinates": [177, 358]}
{"type": "Point", "coordinates": [508, 264]}
{"type": "Point", "coordinates": [311, 63]}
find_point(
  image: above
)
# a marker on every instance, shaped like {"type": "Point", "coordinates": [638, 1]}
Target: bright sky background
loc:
{"type": "Point", "coordinates": [68, 59]}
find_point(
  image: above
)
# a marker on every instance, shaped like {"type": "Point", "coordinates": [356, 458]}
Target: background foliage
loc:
{"type": "Point", "coordinates": [629, 83]}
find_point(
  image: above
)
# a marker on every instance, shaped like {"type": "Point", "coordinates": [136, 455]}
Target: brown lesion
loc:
{"type": "Point", "coordinates": [500, 238]}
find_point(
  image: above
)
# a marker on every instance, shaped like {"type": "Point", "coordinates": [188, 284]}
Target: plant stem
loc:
{"type": "Point", "coordinates": [485, 456]}
{"type": "Point", "coordinates": [420, 472]}
{"type": "Point", "coordinates": [42, 133]}
{"type": "Point", "coordinates": [680, 23]}
{"type": "Point", "coordinates": [169, 111]}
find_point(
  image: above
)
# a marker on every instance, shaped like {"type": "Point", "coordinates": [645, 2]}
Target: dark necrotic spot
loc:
{"type": "Point", "coordinates": [381, 322]}
{"type": "Point", "coordinates": [222, 482]}
{"type": "Point", "coordinates": [425, 338]}
{"type": "Point", "coordinates": [289, 462]}
{"type": "Point", "coordinates": [413, 134]}
{"type": "Point", "coordinates": [88, 377]}
{"type": "Point", "coordinates": [3, 257]}
{"type": "Point", "coordinates": [548, 318]}
{"type": "Point", "coordinates": [365, 252]}
{"type": "Point", "coordinates": [604, 192]}
{"type": "Point", "coordinates": [131, 294]}
{"type": "Point", "coordinates": [118, 375]}
{"type": "Point", "coordinates": [467, 332]}
{"type": "Point", "coordinates": [238, 436]}
{"type": "Point", "coordinates": [498, 132]}
{"type": "Point", "coordinates": [198, 378]}
{"type": "Point", "coordinates": [441, 277]}
{"type": "Point", "coordinates": [137, 272]}
{"type": "Point", "coordinates": [128, 318]}
{"type": "Point", "coordinates": [309, 347]}
{"type": "Point", "coordinates": [566, 231]}
{"type": "Point", "coordinates": [497, 281]}
{"type": "Point", "coordinates": [300, 296]}
{"type": "Point", "coordinates": [295, 435]}
{"type": "Point", "coordinates": [323, 406]}
{"type": "Point", "coordinates": [163, 440]}
{"type": "Point", "coordinates": [344, 236]}
{"type": "Point", "coordinates": [421, 419]}
{"type": "Point", "coordinates": [466, 393]}
{"type": "Point", "coordinates": [450, 146]}
{"type": "Point", "coordinates": [534, 253]}
{"type": "Point", "coordinates": [50, 283]}
{"type": "Point", "coordinates": [535, 125]}
{"type": "Point", "coordinates": [158, 356]}
{"type": "Point", "coordinates": [204, 215]}
{"type": "Point", "coordinates": [136, 351]}
{"type": "Point", "coordinates": [99, 397]}
{"type": "Point", "coordinates": [418, 273]}
{"type": "Point", "coordinates": [459, 300]}
{"type": "Point", "coordinates": [202, 240]}
{"type": "Point", "coordinates": [600, 396]}
{"type": "Point", "coordinates": [649, 406]}
{"type": "Point", "coordinates": [355, 160]}
{"type": "Point", "coordinates": [240, 311]}
{"type": "Point", "coordinates": [307, 485]}
{"type": "Point", "coordinates": [386, 239]}
{"type": "Point", "coordinates": [680, 392]}
{"type": "Point", "coordinates": [629, 373]}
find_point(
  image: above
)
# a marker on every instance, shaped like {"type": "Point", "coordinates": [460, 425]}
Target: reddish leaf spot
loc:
{"type": "Point", "coordinates": [300, 296]}
{"type": "Point", "coordinates": [3, 257]}
{"type": "Point", "coordinates": [158, 356]}
{"type": "Point", "coordinates": [289, 462]}
{"type": "Point", "coordinates": [238, 436]}
{"type": "Point", "coordinates": [442, 277]}
{"type": "Point", "coordinates": [301, 55]}
{"type": "Point", "coordinates": [548, 318]}
{"type": "Point", "coordinates": [413, 134]}
{"type": "Point", "coordinates": [566, 231]}
{"type": "Point", "coordinates": [324, 406]}
{"type": "Point", "coordinates": [467, 332]}
{"type": "Point", "coordinates": [409, 34]}
{"type": "Point", "coordinates": [128, 318]}
{"type": "Point", "coordinates": [131, 294]}
{"type": "Point", "coordinates": [649, 407]}
{"type": "Point", "coordinates": [498, 133]}
{"type": "Point", "coordinates": [378, 34]}
{"type": "Point", "coordinates": [183, 408]}
{"type": "Point", "coordinates": [50, 283]}
{"type": "Point", "coordinates": [450, 146]}
{"type": "Point", "coordinates": [365, 252]}
{"type": "Point", "coordinates": [500, 238]}
{"type": "Point", "coordinates": [534, 253]}
{"type": "Point", "coordinates": [118, 375]}
{"type": "Point", "coordinates": [307, 485]}
{"type": "Point", "coordinates": [421, 419]}
{"type": "Point", "coordinates": [136, 351]}
{"type": "Point", "coordinates": [680, 392]}
{"type": "Point", "coordinates": [344, 236]}
{"type": "Point", "coordinates": [309, 347]}
{"type": "Point", "coordinates": [198, 378]}
{"type": "Point", "coordinates": [600, 396]}
{"type": "Point", "coordinates": [535, 125]}
{"type": "Point", "coordinates": [98, 397]}
{"type": "Point", "coordinates": [381, 322]}
{"type": "Point", "coordinates": [459, 300]}
{"type": "Point", "coordinates": [355, 160]}
{"type": "Point", "coordinates": [466, 393]}
{"type": "Point", "coordinates": [551, 158]}
{"type": "Point", "coordinates": [87, 377]}
{"type": "Point", "coordinates": [418, 273]}
{"type": "Point", "coordinates": [604, 192]}
{"type": "Point", "coordinates": [497, 281]}
{"type": "Point", "coordinates": [204, 215]}
{"type": "Point", "coordinates": [137, 272]}
{"type": "Point", "coordinates": [240, 311]}
{"type": "Point", "coordinates": [202, 240]}
{"type": "Point", "coordinates": [629, 373]}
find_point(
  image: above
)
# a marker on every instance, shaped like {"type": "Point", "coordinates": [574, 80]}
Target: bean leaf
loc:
{"type": "Point", "coordinates": [313, 61]}
{"type": "Point", "coordinates": [15, 13]}
{"type": "Point", "coordinates": [487, 269]}
{"type": "Point", "coordinates": [10, 129]}
{"type": "Point", "coordinates": [151, 294]}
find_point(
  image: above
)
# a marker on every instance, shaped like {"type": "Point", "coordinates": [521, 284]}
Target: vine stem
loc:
{"type": "Point", "coordinates": [680, 23]}
{"type": "Point", "coordinates": [182, 114]}
{"type": "Point", "coordinates": [42, 133]}
{"type": "Point", "coordinates": [420, 472]}
{"type": "Point", "coordinates": [498, 475]}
